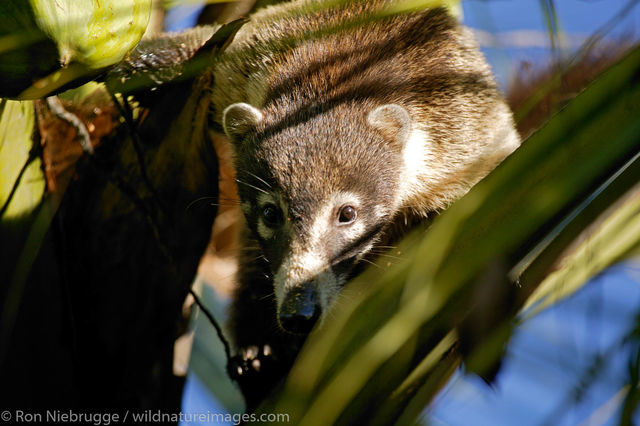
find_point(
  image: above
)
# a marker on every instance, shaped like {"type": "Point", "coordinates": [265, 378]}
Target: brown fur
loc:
{"type": "Point", "coordinates": [316, 75]}
{"type": "Point", "coordinates": [287, 64]}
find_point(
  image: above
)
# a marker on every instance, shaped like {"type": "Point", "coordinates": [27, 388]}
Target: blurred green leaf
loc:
{"type": "Point", "coordinates": [611, 240]}
{"type": "Point", "coordinates": [364, 354]}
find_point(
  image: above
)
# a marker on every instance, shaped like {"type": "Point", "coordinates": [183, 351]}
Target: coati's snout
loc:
{"type": "Point", "coordinates": [300, 309]}
{"type": "Point", "coordinates": [305, 286]}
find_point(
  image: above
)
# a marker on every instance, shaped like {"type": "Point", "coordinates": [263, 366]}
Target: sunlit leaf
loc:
{"type": "Point", "coordinates": [46, 46]}
{"type": "Point", "coordinates": [21, 180]}
{"type": "Point", "coordinates": [94, 33]}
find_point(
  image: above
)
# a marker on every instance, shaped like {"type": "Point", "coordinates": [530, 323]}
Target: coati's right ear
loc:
{"type": "Point", "coordinates": [393, 121]}
{"type": "Point", "coordinates": [239, 119]}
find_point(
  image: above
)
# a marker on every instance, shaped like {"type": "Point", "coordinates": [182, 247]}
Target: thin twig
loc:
{"type": "Point", "coordinates": [82, 133]}
{"type": "Point", "coordinates": [126, 112]}
{"type": "Point", "coordinates": [212, 320]}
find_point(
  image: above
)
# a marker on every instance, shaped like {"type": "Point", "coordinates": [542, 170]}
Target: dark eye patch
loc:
{"type": "Point", "coordinates": [357, 247]}
{"type": "Point", "coordinates": [271, 215]}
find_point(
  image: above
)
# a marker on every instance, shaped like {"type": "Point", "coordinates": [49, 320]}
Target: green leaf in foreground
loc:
{"type": "Point", "coordinates": [24, 216]}
{"type": "Point", "coordinates": [94, 33]}
{"type": "Point", "coordinates": [21, 180]}
{"type": "Point", "coordinates": [362, 355]}
{"type": "Point", "coordinates": [611, 239]}
{"type": "Point", "coordinates": [46, 46]}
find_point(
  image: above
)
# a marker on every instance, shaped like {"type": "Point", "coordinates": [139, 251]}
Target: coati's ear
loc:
{"type": "Point", "coordinates": [392, 120]}
{"type": "Point", "coordinates": [238, 119]}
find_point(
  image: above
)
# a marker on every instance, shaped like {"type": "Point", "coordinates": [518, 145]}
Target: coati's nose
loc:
{"type": "Point", "coordinates": [300, 309]}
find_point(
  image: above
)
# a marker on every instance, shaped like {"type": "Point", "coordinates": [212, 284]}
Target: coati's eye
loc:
{"type": "Point", "coordinates": [347, 214]}
{"type": "Point", "coordinates": [271, 215]}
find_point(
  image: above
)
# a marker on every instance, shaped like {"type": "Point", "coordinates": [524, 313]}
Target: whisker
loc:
{"type": "Point", "coordinates": [259, 178]}
{"type": "Point", "coordinates": [197, 200]}
{"type": "Point", "coordinates": [267, 296]}
{"type": "Point", "coordinates": [224, 204]}
{"type": "Point", "coordinates": [388, 255]}
{"type": "Point", "coordinates": [252, 186]}
{"type": "Point", "coordinates": [227, 277]}
{"type": "Point", "coordinates": [237, 250]}
{"type": "Point", "coordinates": [229, 200]}
{"type": "Point", "coordinates": [371, 263]}
{"type": "Point", "coordinates": [275, 328]}
{"type": "Point", "coordinates": [220, 202]}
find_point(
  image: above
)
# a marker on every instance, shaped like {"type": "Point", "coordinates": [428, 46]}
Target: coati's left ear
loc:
{"type": "Point", "coordinates": [393, 121]}
{"type": "Point", "coordinates": [239, 119]}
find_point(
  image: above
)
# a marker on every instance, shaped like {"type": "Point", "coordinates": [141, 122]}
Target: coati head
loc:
{"type": "Point", "coordinates": [317, 190]}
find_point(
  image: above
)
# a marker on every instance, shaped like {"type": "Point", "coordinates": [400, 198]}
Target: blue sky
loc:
{"type": "Point", "coordinates": [577, 19]}
{"type": "Point", "coordinates": [548, 360]}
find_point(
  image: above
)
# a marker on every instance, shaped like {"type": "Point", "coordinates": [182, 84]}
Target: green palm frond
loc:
{"type": "Point", "coordinates": [377, 357]}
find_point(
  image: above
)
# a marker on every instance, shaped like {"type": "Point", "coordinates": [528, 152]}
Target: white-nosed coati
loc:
{"type": "Point", "coordinates": [350, 122]}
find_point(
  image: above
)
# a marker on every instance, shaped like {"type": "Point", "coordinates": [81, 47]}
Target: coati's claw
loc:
{"type": "Point", "coordinates": [266, 350]}
{"type": "Point", "coordinates": [256, 369]}
{"type": "Point", "coordinates": [250, 353]}
{"type": "Point", "coordinates": [249, 362]}
{"type": "Point", "coordinates": [255, 364]}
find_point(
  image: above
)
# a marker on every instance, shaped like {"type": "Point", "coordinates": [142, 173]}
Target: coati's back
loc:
{"type": "Point", "coordinates": [296, 59]}
{"type": "Point", "coordinates": [349, 124]}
